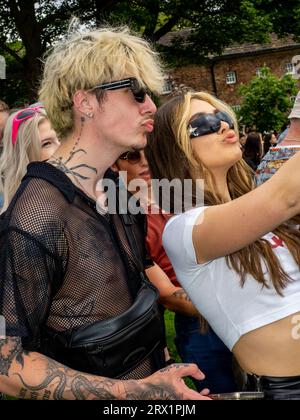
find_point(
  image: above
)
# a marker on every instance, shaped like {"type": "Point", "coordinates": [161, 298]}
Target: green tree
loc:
{"type": "Point", "coordinates": [284, 15]}
{"type": "Point", "coordinates": [36, 25]}
{"type": "Point", "coordinates": [213, 24]}
{"type": "Point", "coordinates": [267, 101]}
{"type": "Point", "coordinates": [14, 90]}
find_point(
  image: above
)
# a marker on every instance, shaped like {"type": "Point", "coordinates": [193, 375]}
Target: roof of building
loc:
{"type": "Point", "coordinates": [275, 43]}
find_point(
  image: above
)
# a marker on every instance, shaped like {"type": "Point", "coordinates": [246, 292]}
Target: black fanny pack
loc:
{"type": "Point", "coordinates": [112, 347]}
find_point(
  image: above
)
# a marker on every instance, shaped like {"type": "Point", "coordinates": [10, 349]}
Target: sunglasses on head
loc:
{"type": "Point", "coordinates": [131, 157]}
{"type": "Point", "coordinates": [139, 92]}
{"type": "Point", "coordinates": [21, 116]}
{"type": "Point", "coordinates": [208, 124]}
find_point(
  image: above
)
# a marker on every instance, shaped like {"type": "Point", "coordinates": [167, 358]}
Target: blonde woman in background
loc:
{"type": "Point", "coordinates": [28, 137]}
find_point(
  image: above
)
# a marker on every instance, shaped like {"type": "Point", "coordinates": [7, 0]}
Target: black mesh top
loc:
{"type": "Point", "coordinates": [62, 264]}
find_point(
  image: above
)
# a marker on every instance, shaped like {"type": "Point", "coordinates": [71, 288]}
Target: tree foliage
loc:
{"type": "Point", "coordinates": [267, 101]}
{"type": "Point", "coordinates": [284, 15]}
{"type": "Point", "coordinates": [213, 24]}
{"type": "Point", "coordinates": [14, 90]}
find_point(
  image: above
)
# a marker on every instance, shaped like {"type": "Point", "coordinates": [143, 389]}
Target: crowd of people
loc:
{"type": "Point", "coordinates": [83, 288]}
{"type": "Point", "coordinates": [255, 146]}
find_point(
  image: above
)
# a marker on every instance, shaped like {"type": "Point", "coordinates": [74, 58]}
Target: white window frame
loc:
{"type": "Point", "coordinates": [236, 108]}
{"type": "Point", "coordinates": [290, 68]}
{"type": "Point", "coordinates": [231, 78]}
{"type": "Point", "coordinates": [258, 72]}
{"type": "Point", "coordinates": [168, 86]}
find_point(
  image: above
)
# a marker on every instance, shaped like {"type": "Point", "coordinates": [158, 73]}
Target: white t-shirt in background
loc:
{"type": "Point", "coordinates": [216, 291]}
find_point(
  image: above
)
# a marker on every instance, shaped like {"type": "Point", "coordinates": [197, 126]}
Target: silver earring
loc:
{"type": "Point", "coordinates": [90, 115]}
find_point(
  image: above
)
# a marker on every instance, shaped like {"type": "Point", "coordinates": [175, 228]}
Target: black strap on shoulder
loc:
{"type": "Point", "coordinates": [128, 220]}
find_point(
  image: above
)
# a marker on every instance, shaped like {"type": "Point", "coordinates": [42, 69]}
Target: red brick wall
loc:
{"type": "Point", "coordinates": [200, 78]}
{"type": "Point", "coordinates": [196, 77]}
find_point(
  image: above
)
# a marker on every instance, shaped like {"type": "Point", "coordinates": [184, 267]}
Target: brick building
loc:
{"type": "Point", "coordinates": [222, 75]}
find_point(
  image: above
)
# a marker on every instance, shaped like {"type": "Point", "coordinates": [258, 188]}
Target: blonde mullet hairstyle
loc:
{"type": "Point", "coordinates": [15, 158]}
{"type": "Point", "coordinates": [170, 142]}
{"type": "Point", "coordinates": [86, 59]}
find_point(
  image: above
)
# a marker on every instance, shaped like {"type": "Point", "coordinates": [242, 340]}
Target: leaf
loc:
{"type": "Point", "coordinates": [267, 101]}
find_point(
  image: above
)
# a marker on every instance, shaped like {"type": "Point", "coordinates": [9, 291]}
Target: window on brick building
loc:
{"type": "Point", "coordinates": [168, 86]}
{"type": "Point", "coordinates": [231, 78]}
{"type": "Point", "coordinates": [289, 68]}
{"type": "Point", "coordinates": [236, 108]}
{"type": "Point", "coordinates": [258, 72]}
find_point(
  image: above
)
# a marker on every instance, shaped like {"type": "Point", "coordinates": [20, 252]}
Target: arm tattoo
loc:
{"type": "Point", "coordinates": [22, 394]}
{"type": "Point", "coordinates": [69, 384]}
{"type": "Point", "coordinates": [59, 164]}
{"type": "Point", "coordinates": [62, 383]}
{"type": "Point", "coordinates": [181, 294]}
{"type": "Point", "coordinates": [10, 350]}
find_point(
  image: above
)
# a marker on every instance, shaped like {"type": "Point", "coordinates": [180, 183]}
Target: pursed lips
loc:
{"type": "Point", "coordinates": [148, 124]}
{"type": "Point", "coordinates": [145, 173]}
{"type": "Point", "coordinates": [232, 138]}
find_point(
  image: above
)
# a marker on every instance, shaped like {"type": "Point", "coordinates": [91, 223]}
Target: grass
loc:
{"type": "Point", "coordinates": [170, 333]}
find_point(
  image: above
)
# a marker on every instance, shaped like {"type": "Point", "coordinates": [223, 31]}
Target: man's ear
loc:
{"type": "Point", "coordinates": [83, 103]}
{"type": "Point", "coordinates": [115, 167]}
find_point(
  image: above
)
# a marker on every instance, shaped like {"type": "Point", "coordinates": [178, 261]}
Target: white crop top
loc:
{"type": "Point", "coordinates": [215, 290]}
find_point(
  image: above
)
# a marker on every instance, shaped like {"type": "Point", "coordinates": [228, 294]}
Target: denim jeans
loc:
{"type": "Point", "coordinates": [208, 352]}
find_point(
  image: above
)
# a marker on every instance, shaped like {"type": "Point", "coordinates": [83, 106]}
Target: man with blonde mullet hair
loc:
{"type": "Point", "coordinates": [81, 316]}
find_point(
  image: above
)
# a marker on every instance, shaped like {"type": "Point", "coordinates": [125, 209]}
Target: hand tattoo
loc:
{"type": "Point", "coordinates": [153, 392]}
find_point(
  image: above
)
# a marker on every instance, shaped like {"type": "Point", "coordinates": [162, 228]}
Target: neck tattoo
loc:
{"type": "Point", "coordinates": [60, 164]}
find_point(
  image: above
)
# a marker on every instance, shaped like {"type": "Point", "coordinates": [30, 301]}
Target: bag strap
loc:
{"type": "Point", "coordinates": [127, 221]}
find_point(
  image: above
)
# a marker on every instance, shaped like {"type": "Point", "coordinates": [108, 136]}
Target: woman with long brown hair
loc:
{"type": "Point", "coordinates": [238, 254]}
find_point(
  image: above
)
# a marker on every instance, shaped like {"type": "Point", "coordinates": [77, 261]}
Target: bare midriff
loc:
{"type": "Point", "coordinates": [273, 350]}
